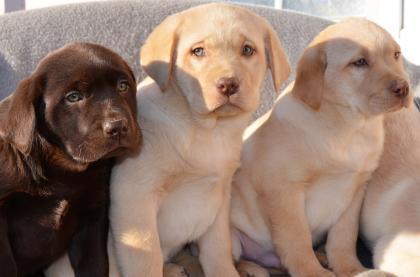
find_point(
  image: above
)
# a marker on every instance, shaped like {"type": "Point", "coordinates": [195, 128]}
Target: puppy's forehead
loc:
{"type": "Point", "coordinates": [80, 63]}
{"type": "Point", "coordinates": [219, 22]}
{"type": "Point", "coordinates": [357, 36]}
{"type": "Point", "coordinates": [80, 57]}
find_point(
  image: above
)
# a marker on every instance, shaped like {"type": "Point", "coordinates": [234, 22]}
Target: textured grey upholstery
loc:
{"type": "Point", "coordinates": [25, 37]}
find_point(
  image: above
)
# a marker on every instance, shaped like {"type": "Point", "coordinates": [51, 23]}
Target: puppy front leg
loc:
{"type": "Point", "coordinates": [135, 235]}
{"type": "Point", "coordinates": [215, 245]}
{"type": "Point", "coordinates": [88, 248]}
{"type": "Point", "coordinates": [290, 232]}
{"type": "Point", "coordinates": [8, 266]}
{"type": "Point", "coordinates": [342, 237]}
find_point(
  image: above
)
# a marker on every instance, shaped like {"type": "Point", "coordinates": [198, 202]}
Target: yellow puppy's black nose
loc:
{"type": "Point", "coordinates": [228, 86]}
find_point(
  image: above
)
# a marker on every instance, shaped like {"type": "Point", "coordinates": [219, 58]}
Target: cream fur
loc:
{"type": "Point", "coordinates": [305, 163]}
{"type": "Point", "coordinates": [390, 219]}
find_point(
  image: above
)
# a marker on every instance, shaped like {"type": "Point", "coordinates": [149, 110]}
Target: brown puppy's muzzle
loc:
{"type": "Point", "coordinates": [121, 132]}
{"type": "Point", "coordinates": [115, 128]}
{"type": "Point", "coordinates": [227, 86]}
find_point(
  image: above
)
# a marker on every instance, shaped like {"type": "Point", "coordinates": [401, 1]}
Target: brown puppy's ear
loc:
{"type": "Point", "coordinates": [309, 84]}
{"type": "Point", "coordinates": [130, 70]}
{"type": "Point", "coordinates": [17, 115]}
{"type": "Point", "coordinates": [277, 59]}
{"type": "Point", "coordinates": [157, 56]}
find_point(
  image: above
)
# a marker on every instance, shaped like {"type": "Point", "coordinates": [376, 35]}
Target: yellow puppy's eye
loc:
{"type": "Point", "coordinates": [199, 52]}
{"type": "Point", "coordinates": [122, 86]}
{"type": "Point", "coordinates": [248, 51]}
{"type": "Point", "coordinates": [360, 62]}
{"type": "Point", "coordinates": [397, 55]}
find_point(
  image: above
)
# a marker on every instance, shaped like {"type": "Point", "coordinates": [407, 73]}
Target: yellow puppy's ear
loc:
{"type": "Point", "coordinates": [157, 56]}
{"type": "Point", "coordinates": [309, 84]}
{"type": "Point", "coordinates": [277, 59]}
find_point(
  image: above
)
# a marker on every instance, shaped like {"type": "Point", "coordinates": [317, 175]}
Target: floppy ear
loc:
{"type": "Point", "coordinates": [277, 59]}
{"type": "Point", "coordinates": [17, 115]}
{"type": "Point", "coordinates": [157, 56]}
{"type": "Point", "coordinates": [309, 84]}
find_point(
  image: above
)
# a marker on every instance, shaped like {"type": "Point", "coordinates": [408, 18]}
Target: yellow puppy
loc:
{"type": "Point", "coordinates": [206, 67]}
{"type": "Point", "coordinates": [391, 209]}
{"type": "Point", "coordinates": [305, 162]}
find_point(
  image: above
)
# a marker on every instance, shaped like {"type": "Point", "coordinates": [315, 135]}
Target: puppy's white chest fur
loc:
{"type": "Point", "coordinates": [195, 190]}
{"type": "Point", "coordinates": [188, 211]}
{"type": "Point", "coordinates": [347, 166]}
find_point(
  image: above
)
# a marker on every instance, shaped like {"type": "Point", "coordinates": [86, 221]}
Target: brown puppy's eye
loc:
{"type": "Point", "coordinates": [122, 86]}
{"type": "Point", "coordinates": [248, 51]}
{"type": "Point", "coordinates": [360, 62]}
{"type": "Point", "coordinates": [199, 52]}
{"type": "Point", "coordinates": [74, 96]}
{"type": "Point", "coordinates": [397, 55]}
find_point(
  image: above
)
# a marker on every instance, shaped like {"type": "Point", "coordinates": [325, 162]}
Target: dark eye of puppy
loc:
{"type": "Point", "coordinates": [74, 96]}
{"type": "Point", "coordinates": [122, 85]}
{"type": "Point", "coordinates": [247, 50]}
{"type": "Point", "coordinates": [360, 63]}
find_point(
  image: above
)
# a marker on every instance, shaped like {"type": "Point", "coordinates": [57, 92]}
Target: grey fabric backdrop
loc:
{"type": "Point", "coordinates": [25, 37]}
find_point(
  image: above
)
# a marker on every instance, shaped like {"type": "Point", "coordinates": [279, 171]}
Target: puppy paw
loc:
{"type": "Point", "coordinates": [351, 272]}
{"type": "Point", "coordinates": [325, 273]}
{"type": "Point", "coordinates": [250, 269]}
{"type": "Point", "coordinates": [375, 273]}
{"type": "Point", "coordinates": [173, 270]}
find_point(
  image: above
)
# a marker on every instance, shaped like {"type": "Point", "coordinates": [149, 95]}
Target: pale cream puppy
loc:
{"type": "Point", "coordinates": [305, 163]}
{"type": "Point", "coordinates": [206, 67]}
{"type": "Point", "coordinates": [391, 210]}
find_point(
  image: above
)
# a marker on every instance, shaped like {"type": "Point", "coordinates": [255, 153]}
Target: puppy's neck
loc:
{"type": "Point", "coordinates": [330, 116]}
{"type": "Point", "coordinates": [55, 157]}
{"type": "Point", "coordinates": [345, 116]}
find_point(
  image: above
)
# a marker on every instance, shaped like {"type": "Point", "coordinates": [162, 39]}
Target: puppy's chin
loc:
{"type": "Point", "coordinates": [227, 110]}
{"type": "Point", "coordinates": [87, 157]}
{"type": "Point", "coordinates": [92, 150]}
{"type": "Point", "coordinates": [111, 148]}
{"type": "Point", "coordinates": [389, 105]}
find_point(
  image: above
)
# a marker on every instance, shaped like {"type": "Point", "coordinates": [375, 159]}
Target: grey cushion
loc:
{"type": "Point", "coordinates": [25, 37]}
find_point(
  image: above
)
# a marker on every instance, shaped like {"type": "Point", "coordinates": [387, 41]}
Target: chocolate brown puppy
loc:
{"type": "Point", "coordinates": [59, 132]}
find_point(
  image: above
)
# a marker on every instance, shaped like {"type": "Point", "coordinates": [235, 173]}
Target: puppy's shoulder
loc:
{"type": "Point", "coordinates": [146, 89]}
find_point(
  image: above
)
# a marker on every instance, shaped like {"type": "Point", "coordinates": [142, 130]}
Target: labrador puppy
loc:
{"type": "Point", "coordinates": [205, 67]}
{"type": "Point", "coordinates": [390, 220]}
{"type": "Point", "coordinates": [304, 164]}
{"type": "Point", "coordinates": [58, 133]}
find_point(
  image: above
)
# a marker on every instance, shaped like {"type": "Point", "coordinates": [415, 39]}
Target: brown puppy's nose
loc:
{"type": "Point", "coordinates": [228, 86]}
{"type": "Point", "coordinates": [115, 127]}
{"type": "Point", "coordinates": [400, 88]}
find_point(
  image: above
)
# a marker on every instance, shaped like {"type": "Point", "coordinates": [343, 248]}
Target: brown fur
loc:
{"type": "Point", "coordinates": [56, 159]}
